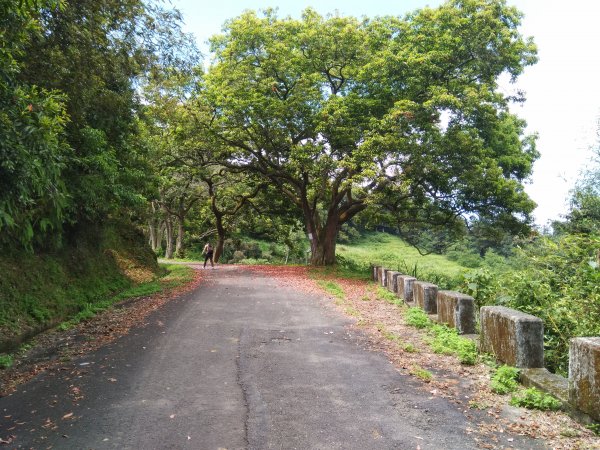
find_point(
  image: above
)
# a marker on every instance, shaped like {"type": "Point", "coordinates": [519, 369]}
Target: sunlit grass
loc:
{"type": "Point", "coordinates": [393, 253]}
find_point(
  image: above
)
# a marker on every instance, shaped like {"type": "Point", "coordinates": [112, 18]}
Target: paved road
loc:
{"type": "Point", "coordinates": [240, 363]}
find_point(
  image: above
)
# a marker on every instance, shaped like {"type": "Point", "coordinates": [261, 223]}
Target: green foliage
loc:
{"type": "Point", "coordinates": [6, 361]}
{"type": "Point", "coordinates": [443, 339]}
{"type": "Point", "coordinates": [555, 281]}
{"type": "Point", "coordinates": [533, 398]}
{"type": "Point", "coordinates": [482, 285]}
{"type": "Point", "coordinates": [422, 373]}
{"type": "Point", "coordinates": [409, 348]}
{"type": "Point", "coordinates": [416, 317]}
{"type": "Point", "coordinates": [70, 73]}
{"type": "Point", "coordinates": [72, 281]}
{"type": "Point", "coordinates": [447, 341]}
{"type": "Point", "coordinates": [175, 275]}
{"type": "Point", "coordinates": [333, 288]}
{"type": "Point", "coordinates": [388, 296]}
{"type": "Point", "coordinates": [505, 380]}
{"type": "Point", "coordinates": [594, 427]}
{"type": "Point", "coordinates": [345, 113]}
{"type": "Point", "coordinates": [33, 153]}
{"type": "Point", "coordinates": [392, 252]}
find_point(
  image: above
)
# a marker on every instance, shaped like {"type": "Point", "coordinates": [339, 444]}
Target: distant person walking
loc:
{"type": "Point", "coordinates": [208, 252]}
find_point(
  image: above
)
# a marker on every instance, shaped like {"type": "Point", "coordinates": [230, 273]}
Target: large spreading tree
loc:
{"type": "Point", "coordinates": [341, 114]}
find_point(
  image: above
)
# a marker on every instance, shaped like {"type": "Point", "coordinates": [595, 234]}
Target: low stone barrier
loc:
{"type": "Point", "coordinates": [384, 277]}
{"type": "Point", "coordinates": [392, 281]}
{"type": "Point", "coordinates": [405, 287]}
{"type": "Point", "coordinates": [584, 375]}
{"type": "Point", "coordinates": [513, 337]}
{"type": "Point", "coordinates": [457, 311]}
{"type": "Point", "coordinates": [425, 296]}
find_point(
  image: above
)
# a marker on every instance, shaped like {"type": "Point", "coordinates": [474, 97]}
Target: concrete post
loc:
{"type": "Point", "coordinates": [392, 281]}
{"type": "Point", "coordinates": [456, 310]}
{"type": "Point", "coordinates": [405, 287]}
{"type": "Point", "coordinates": [584, 375]}
{"type": "Point", "coordinates": [384, 277]}
{"type": "Point", "coordinates": [425, 295]}
{"type": "Point", "coordinates": [513, 337]}
{"type": "Point", "coordinates": [374, 272]}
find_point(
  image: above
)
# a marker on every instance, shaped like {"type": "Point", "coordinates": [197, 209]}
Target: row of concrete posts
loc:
{"type": "Point", "coordinates": [513, 337]}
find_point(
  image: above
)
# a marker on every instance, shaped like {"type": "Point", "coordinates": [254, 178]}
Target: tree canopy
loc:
{"type": "Point", "coordinates": [342, 114]}
{"type": "Point", "coordinates": [71, 73]}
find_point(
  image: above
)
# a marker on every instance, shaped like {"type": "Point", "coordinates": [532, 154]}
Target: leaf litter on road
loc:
{"type": "Point", "coordinates": [381, 327]}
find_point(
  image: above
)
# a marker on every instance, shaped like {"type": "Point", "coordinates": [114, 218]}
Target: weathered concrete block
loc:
{"type": "Point", "coordinates": [546, 381]}
{"type": "Point", "coordinates": [515, 338]}
{"type": "Point", "coordinates": [384, 277]}
{"type": "Point", "coordinates": [392, 281]}
{"type": "Point", "coordinates": [405, 287]}
{"type": "Point", "coordinates": [584, 375]}
{"type": "Point", "coordinates": [425, 296]}
{"type": "Point", "coordinates": [375, 270]}
{"type": "Point", "coordinates": [388, 273]}
{"type": "Point", "coordinates": [456, 310]}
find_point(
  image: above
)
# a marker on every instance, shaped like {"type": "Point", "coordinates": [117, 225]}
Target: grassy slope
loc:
{"type": "Point", "coordinates": [392, 252]}
{"type": "Point", "coordinates": [37, 290]}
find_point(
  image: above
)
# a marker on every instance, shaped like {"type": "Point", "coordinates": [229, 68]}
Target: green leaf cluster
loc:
{"type": "Point", "coordinates": [505, 380]}
{"type": "Point", "coordinates": [533, 398]}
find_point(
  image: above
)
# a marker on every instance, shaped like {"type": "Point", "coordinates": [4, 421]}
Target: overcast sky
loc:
{"type": "Point", "coordinates": [562, 89]}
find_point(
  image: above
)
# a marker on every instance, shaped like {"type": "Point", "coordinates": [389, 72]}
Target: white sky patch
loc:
{"type": "Point", "coordinates": [562, 89]}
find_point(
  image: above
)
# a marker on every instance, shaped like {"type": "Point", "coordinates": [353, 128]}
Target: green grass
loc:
{"type": "Point", "coordinates": [42, 288]}
{"type": "Point", "coordinates": [392, 252]}
{"type": "Point", "coordinates": [417, 318]}
{"type": "Point", "coordinates": [388, 296]}
{"type": "Point", "coordinates": [443, 339]}
{"type": "Point", "coordinates": [332, 288]}
{"type": "Point", "coordinates": [174, 275]}
{"type": "Point", "coordinates": [421, 373]}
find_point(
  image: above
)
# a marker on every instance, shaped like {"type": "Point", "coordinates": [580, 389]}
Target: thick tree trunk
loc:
{"type": "Point", "coordinates": [219, 248]}
{"type": "Point", "coordinates": [220, 238]}
{"type": "Point", "coordinates": [323, 243]}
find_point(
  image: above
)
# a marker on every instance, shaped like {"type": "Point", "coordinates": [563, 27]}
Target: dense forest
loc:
{"type": "Point", "coordinates": [301, 133]}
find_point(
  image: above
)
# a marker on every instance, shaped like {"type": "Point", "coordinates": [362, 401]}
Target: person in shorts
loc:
{"type": "Point", "coordinates": [208, 254]}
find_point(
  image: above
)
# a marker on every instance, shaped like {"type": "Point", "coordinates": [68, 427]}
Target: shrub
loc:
{"type": "Point", "coordinates": [447, 341]}
{"type": "Point", "coordinates": [533, 398]}
{"type": "Point", "coordinates": [417, 318]}
{"type": "Point", "coordinates": [556, 282]}
{"type": "Point", "coordinates": [6, 361]}
{"type": "Point", "coordinates": [505, 380]}
{"type": "Point", "coordinates": [238, 256]}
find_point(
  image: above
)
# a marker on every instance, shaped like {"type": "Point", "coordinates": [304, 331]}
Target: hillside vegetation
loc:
{"type": "Point", "coordinates": [392, 252]}
{"type": "Point", "coordinates": [43, 289]}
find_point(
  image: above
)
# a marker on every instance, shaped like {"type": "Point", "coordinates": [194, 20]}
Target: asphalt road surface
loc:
{"type": "Point", "coordinates": [242, 362]}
